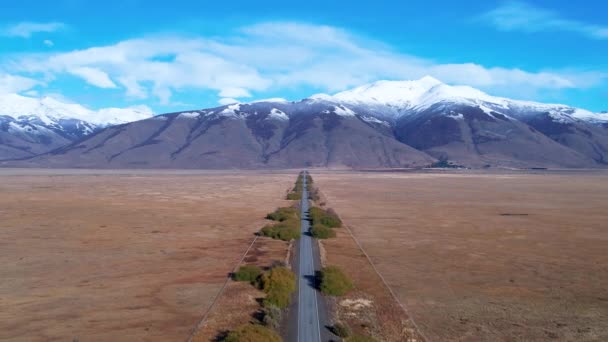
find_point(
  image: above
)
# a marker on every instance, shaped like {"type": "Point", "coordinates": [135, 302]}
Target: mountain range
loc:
{"type": "Point", "coordinates": [386, 124]}
{"type": "Point", "coordinates": [31, 126]}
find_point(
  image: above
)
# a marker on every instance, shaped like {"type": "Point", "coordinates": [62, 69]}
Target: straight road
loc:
{"type": "Point", "coordinates": [312, 312]}
{"type": "Point", "coordinates": [309, 326]}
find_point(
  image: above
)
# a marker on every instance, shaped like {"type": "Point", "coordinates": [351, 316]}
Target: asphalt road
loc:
{"type": "Point", "coordinates": [312, 318]}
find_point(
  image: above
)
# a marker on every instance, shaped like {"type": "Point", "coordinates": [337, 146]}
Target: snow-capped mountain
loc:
{"type": "Point", "coordinates": [401, 98]}
{"type": "Point", "coordinates": [29, 126]}
{"type": "Point", "coordinates": [383, 124]}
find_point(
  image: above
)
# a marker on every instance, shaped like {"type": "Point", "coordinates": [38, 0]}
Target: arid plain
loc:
{"type": "Point", "coordinates": [486, 257]}
{"type": "Point", "coordinates": [122, 256]}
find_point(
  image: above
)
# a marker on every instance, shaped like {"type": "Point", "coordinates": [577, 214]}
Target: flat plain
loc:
{"type": "Point", "coordinates": [122, 255]}
{"type": "Point", "coordinates": [485, 256]}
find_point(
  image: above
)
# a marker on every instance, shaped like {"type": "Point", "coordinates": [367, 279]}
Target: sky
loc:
{"type": "Point", "coordinates": [179, 55]}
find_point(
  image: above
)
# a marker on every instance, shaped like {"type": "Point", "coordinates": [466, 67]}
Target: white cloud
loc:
{"type": "Point", "coordinates": [93, 76]}
{"type": "Point", "coordinates": [273, 56]}
{"type": "Point", "coordinates": [134, 89]}
{"type": "Point", "coordinates": [27, 29]}
{"type": "Point", "coordinates": [16, 84]}
{"type": "Point", "coordinates": [520, 16]}
{"type": "Point", "coordinates": [226, 101]}
{"type": "Point", "coordinates": [48, 43]}
{"type": "Point", "coordinates": [234, 92]}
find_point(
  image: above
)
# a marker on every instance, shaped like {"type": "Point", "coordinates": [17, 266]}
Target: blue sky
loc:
{"type": "Point", "coordinates": [177, 55]}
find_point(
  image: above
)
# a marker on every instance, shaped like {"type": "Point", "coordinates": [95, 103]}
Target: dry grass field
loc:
{"type": "Point", "coordinates": [119, 256]}
{"type": "Point", "coordinates": [485, 257]}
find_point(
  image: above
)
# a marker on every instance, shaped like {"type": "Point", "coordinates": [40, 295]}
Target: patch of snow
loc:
{"type": "Point", "coordinates": [189, 115]}
{"type": "Point", "coordinates": [231, 110]}
{"type": "Point", "coordinates": [456, 116]}
{"type": "Point", "coordinates": [590, 116]}
{"type": "Point", "coordinates": [278, 114]}
{"type": "Point", "coordinates": [374, 120]}
{"type": "Point", "coordinates": [343, 111]}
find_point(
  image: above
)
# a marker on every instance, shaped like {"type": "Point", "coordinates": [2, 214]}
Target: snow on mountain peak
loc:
{"type": "Point", "coordinates": [389, 92]}
{"type": "Point", "coordinates": [49, 109]}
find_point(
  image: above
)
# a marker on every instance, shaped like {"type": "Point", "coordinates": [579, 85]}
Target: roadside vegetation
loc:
{"type": "Point", "coordinates": [322, 223]}
{"type": "Point", "coordinates": [287, 219]}
{"type": "Point", "coordinates": [250, 273]}
{"type": "Point", "coordinates": [253, 333]}
{"type": "Point", "coordinates": [341, 330]}
{"type": "Point", "coordinates": [286, 231]}
{"type": "Point", "coordinates": [287, 226]}
{"type": "Point", "coordinates": [296, 193]}
{"type": "Point", "coordinates": [328, 217]}
{"type": "Point", "coordinates": [284, 214]}
{"type": "Point", "coordinates": [313, 192]}
{"type": "Point", "coordinates": [278, 283]}
{"type": "Point", "coordinates": [333, 282]}
{"type": "Point", "coordinates": [319, 231]}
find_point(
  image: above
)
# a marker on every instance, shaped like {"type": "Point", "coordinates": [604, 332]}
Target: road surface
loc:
{"type": "Point", "coordinates": [312, 315]}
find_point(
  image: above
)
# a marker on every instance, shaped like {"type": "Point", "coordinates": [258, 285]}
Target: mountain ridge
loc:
{"type": "Point", "coordinates": [382, 124]}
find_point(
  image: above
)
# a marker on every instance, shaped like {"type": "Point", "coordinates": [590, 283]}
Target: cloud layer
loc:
{"type": "Point", "coordinates": [267, 56]}
{"type": "Point", "coordinates": [520, 16]}
{"type": "Point", "coordinates": [27, 29]}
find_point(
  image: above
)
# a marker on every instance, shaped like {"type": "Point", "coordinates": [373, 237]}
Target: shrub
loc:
{"type": "Point", "coordinates": [272, 316]}
{"type": "Point", "coordinates": [279, 278]}
{"type": "Point", "coordinates": [278, 284]}
{"type": "Point", "coordinates": [248, 273]}
{"type": "Point", "coordinates": [283, 214]}
{"type": "Point", "coordinates": [294, 196]}
{"type": "Point", "coordinates": [296, 192]}
{"type": "Point", "coordinates": [253, 333]}
{"type": "Point", "coordinates": [313, 194]}
{"type": "Point", "coordinates": [278, 298]}
{"type": "Point", "coordinates": [320, 231]}
{"type": "Point", "coordinates": [361, 338]}
{"type": "Point", "coordinates": [334, 282]}
{"type": "Point", "coordinates": [328, 218]}
{"type": "Point", "coordinates": [341, 330]}
{"type": "Point", "coordinates": [286, 230]}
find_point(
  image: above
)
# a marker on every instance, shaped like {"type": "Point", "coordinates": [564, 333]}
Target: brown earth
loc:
{"type": "Point", "coordinates": [238, 303]}
{"type": "Point", "coordinates": [484, 257]}
{"type": "Point", "coordinates": [122, 256]}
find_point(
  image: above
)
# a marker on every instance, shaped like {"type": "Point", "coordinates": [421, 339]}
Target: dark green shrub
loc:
{"type": "Point", "coordinates": [282, 214]}
{"type": "Point", "coordinates": [320, 231]}
{"type": "Point", "coordinates": [248, 273]}
{"type": "Point", "coordinates": [334, 282]}
{"type": "Point", "coordinates": [341, 330]}
{"type": "Point", "coordinates": [253, 333]}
